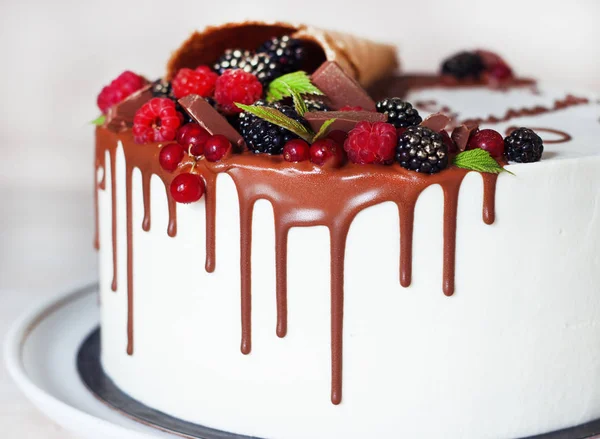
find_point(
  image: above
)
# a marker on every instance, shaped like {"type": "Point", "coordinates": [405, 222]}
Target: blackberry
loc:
{"type": "Point", "coordinates": [464, 65]}
{"type": "Point", "coordinates": [260, 65]}
{"type": "Point", "coordinates": [421, 149]}
{"type": "Point", "coordinates": [287, 52]}
{"type": "Point", "coordinates": [401, 114]}
{"type": "Point", "coordinates": [316, 105]}
{"type": "Point", "coordinates": [264, 137]}
{"type": "Point", "coordinates": [523, 146]}
{"type": "Point", "coordinates": [162, 89]}
{"type": "Point", "coordinates": [231, 60]}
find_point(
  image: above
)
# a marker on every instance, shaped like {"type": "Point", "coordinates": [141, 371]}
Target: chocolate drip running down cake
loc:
{"type": "Point", "coordinates": [297, 241]}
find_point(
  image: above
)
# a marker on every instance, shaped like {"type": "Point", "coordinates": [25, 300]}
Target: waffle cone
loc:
{"type": "Point", "coordinates": [365, 60]}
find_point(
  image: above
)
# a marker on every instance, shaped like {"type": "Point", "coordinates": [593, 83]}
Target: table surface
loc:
{"type": "Point", "coordinates": [45, 246]}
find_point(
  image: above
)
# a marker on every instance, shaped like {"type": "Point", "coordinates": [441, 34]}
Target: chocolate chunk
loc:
{"type": "Point", "coordinates": [344, 120]}
{"type": "Point", "coordinates": [209, 118]}
{"type": "Point", "coordinates": [436, 122]}
{"type": "Point", "coordinates": [340, 88]}
{"type": "Point", "coordinates": [120, 116]}
{"type": "Point", "coordinates": [461, 134]}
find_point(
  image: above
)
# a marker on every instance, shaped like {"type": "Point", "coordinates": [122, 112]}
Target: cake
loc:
{"type": "Point", "coordinates": [420, 270]}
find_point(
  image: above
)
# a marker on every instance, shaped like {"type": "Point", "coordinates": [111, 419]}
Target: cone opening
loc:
{"type": "Point", "coordinates": [205, 48]}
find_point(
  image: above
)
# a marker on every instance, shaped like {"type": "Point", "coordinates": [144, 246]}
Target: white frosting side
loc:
{"type": "Point", "coordinates": [515, 352]}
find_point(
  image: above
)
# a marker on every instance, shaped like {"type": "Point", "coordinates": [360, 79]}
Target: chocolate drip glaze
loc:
{"type": "Point", "coordinates": [329, 197]}
{"type": "Point", "coordinates": [113, 189]}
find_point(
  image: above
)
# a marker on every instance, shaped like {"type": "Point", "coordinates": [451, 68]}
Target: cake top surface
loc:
{"type": "Point", "coordinates": [567, 119]}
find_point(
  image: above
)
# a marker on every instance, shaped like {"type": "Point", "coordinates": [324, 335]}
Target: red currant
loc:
{"type": "Point", "coordinates": [216, 147]}
{"type": "Point", "coordinates": [194, 136]}
{"type": "Point", "coordinates": [170, 156]}
{"type": "Point", "coordinates": [326, 151]}
{"type": "Point", "coordinates": [489, 140]}
{"type": "Point", "coordinates": [187, 188]}
{"type": "Point", "coordinates": [296, 150]}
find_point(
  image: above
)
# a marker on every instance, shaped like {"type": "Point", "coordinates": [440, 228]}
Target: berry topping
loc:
{"type": "Point", "coordinates": [523, 145]}
{"type": "Point", "coordinates": [350, 108]}
{"type": "Point", "coordinates": [200, 81]}
{"type": "Point", "coordinates": [500, 72]}
{"type": "Point", "coordinates": [464, 65]}
{"type": "Point", "coordinates": [170, 156]}
{"type": "Point", "coordinates": [216, 148]}
{"type": "Point", "coordinates": [193, 137]}
{"type": "Point", "coordinates": [121, 87]}
{"type": "Point", "coordinates": [452, 148]}
{"type": "Point", "coordinates": [422, 150]}
{"type": "Point", "coordinates": [162, 89]}
{"type": "Point", "coordinates": [187, 188]}
{"type": "Point", "coordinates": [495, 66]}
{"type": "Point", "coordinates": [371, 143]}
{"type": "Point", "coordinates": [265, 137]}
{"type": "Point", "coordinates": [489, 140]}
{"type": "Point", "coordinates": [296, 150]}
{"type": "Point", "coordinates": [236, 86]}
{"type": "Point", "coordinates": [316, 105]}
{"type": "Point", "coordinates": [400, 113]}
{"type": "Point", "coordinates": [156, 121]}
{"type": "Point", "coordinates": [260, 65]}
{"type": "Point", "coordinates": [326, 151]}
{"type": "Point", "coordinates": [231, 59]}
{"type": "Point", "coordinates": [285, 51]}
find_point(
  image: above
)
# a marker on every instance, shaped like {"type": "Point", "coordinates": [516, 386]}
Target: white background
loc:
{"type": "Point", "coordinates": [56, 55]}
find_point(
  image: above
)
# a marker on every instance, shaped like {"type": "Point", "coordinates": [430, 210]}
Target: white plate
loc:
{"type": "Point", "coordinates": [40, 352]}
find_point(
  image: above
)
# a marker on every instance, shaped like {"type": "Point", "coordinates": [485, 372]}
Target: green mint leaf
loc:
{"type": "Point", "coordinates": [323, 129]}
{"type": "Point", "coordinates": [299, 103]}
{"type": "Point", "coordinates": [276, 117]}
{"type": "Point", "coordinates": [99, 120]}
{"type": "Point", "coordinates": [478, 160]}
{"type": "Point", "coordinates": [296, 81]}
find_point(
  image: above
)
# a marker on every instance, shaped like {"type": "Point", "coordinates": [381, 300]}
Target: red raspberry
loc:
{"type": "Point", "coordinates": [326, 151]}
{"type": "Point", "coordinates": [193, 137]}
{"type": "Point", "coordinates": [216, 147]}
{"type": "Point", "coordinates": [121, 87]}
{"type": "Point", "coordinates": [488, 140]}
{"type": "Point", "coordinates": [495, 66]}
{"type": "Point", "coordinates": [501, 72]}
{"type": "Point", "coordinates": [194, 82]}
{"type": "Point", "coordinates": [187, 188]}
{"type": "Point", "coordinates": [170, 156]}
{"type": "Point", "coordinates": [237, 86]}
{"type": "Point", "coordinates": [349, 108]}
{"type": "Point", "coordinates": [156, 121]}
{"type": "Point", "coordinates": [371, 143]}
{"type": "Point", "coordinates": [296, 150]}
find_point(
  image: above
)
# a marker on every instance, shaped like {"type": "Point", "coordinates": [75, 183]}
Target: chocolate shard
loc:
{"type": "Point", "coordinates": [436, 122]}
{"type": "Point", "coordinates": [461, 134]}
{"type": "Point", "coordinates": [120, 116]}
{"type": "Point", "coordinates": [344, 120]}
{"type": "Point", "coordinates": [209, 118]}
{"type": "Point", "coordinates": [340, 88]}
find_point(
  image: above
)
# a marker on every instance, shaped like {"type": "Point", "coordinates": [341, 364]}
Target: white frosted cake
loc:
{"type": "Point", "coordinates": [350, 296]}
